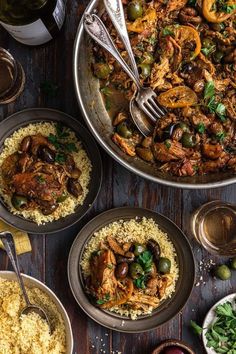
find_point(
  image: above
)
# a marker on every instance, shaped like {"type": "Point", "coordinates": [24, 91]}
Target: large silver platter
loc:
{"type": "Point", "coordinates": [99, 122]}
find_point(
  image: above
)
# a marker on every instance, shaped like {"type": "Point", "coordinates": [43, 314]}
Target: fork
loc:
{"type": "Point", "coordinates": [145, 97]}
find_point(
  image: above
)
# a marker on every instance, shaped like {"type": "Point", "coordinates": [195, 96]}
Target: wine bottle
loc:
{"type": "Point", "coordinates": [32, 22]}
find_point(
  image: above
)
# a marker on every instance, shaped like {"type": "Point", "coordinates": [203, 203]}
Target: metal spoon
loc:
{"type": "Point", "coordinates": [115, 11]}
{"type": "Point", "coordinates": [8, 242]}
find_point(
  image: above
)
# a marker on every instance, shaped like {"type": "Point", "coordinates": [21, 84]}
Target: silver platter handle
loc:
{"type": "Point", "coordinates": [116, 12]}
{"type": "Point", "coordinates": [97, 30]}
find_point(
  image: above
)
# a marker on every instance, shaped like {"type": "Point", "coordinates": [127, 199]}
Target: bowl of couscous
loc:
{"type": "Point", "coordinates": [131, 269]}
{"type": "Point", "coordinates": [29, 333]}
{"type": "Point", "coordinates": [50, 170]}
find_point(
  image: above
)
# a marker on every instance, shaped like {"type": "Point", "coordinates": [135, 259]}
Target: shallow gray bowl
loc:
{"type": "Point", "coordinates": [36, 115]}
{"type": "Point", "coordinates": [99, 122]}
{"type": "Point", "coordinates": [34, 283]}
{"type": "Point", "coordinates": [168, 308]}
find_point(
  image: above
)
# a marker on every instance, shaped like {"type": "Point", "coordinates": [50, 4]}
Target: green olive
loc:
{"type": "Point", "coordinates": [233, 263]}
{"type": "Point", "coordinates": [147, 58]}
{"type": "Point", "coordinates": [218, 26]}
{"type": "Point", "coordinates": [183, 126]}
{"type": "Point", "coordinates": [208, 43]}
{"type": "Point", "coordinates": [123, 130]}
{"type": "Point", "coordinates": [101, 70]}
{"type": "Point", "coordinates": [188, 140]}
{"type": "Point", "coordinates": [134, 10]}
{"type": "Point", "coordinates": [223, 272]}
{"type": "Point", "coordinates": [145, 70]}
{"type": "Point", "coordinates": [164, 265]}
{"type": "Point", "coordinates": [217, 56]}
{"type": "Point", "coordinates": [135, 270]}
{"type": "Point", "coordinates": [138, 249]}
{"type": "Point", "coordinates": [62, 198]}
{"type": "Point", "coordinates": [19, 202]}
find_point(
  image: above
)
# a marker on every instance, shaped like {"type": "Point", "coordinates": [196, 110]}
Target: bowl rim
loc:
{"type": "Point", "coordinates": [76, 49]}
{"type": "Point", "coordinates": [82, 243]}
{"type": "Point", "coordinates": [57, 302]}
{"type": "Point", "coordinates": [30, 226]}
{"type": "Point", "coordinates": [170, 342]}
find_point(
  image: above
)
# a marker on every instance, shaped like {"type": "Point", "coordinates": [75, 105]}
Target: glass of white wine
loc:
{"type": "Point", "coordinates": [214, 227]}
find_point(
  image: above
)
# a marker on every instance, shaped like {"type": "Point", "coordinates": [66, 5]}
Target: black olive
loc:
{"type": "Point", "coordinates": [19, 202]}
{"type": "Point", "coordinates": [121, 270]}
{"type": "Point", "coordinates": [46, 154]}
{"type": "Point", "coordinates": [25, 144]}
{"type": "Point", "coordinates": [75, 173]}
{"type": "Point", "coordinates": [49, 209]}
{"type": "Point", "coordinates": [154, 247]}
{"type": "Point", "coordinates": [187, 67]}
{"type": "Point", "coordinates": [74, 187]}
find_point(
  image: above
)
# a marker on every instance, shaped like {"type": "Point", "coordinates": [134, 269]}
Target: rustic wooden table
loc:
{"type": "Point", "coordinates": [48, 261]}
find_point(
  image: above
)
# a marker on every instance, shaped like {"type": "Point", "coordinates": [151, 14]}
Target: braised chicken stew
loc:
{"type": "Point", "coordinates": [185, 51]}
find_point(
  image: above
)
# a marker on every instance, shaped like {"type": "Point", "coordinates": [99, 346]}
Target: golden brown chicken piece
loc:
{"type": "Point", "coordinates": [37, 141]}
{"type": "Point", "coordinates": [37, 185]}
{"type": "Point", "coordinates": [168, 151]}
{"type": "Point", "coordinates": [103, 282]}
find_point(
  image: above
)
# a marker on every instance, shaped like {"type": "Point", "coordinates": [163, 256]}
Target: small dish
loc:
{"type": "Point", "coordinates": [36, 115]}
{"type": "Point", "coordinates": [32, 282]}
{"type": "Point", "coordinates": [210, 318]}
{"type": "Point", "coordinates": [169, 308]}
{"type": "Point", "coordinates": [173, 342]}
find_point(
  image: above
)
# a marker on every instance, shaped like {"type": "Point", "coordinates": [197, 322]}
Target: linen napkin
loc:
{"type": "Point", "coordinates": [21, 239]}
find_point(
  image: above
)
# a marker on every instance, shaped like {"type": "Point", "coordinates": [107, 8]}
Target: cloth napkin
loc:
{"type": "Point", "coordinates": [21, 239]}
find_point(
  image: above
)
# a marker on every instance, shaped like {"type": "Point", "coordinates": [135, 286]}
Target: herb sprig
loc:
{"type": "Point", "coordinates": [60, 143]}
{"type": "Point", "coordinates": [214, 106]}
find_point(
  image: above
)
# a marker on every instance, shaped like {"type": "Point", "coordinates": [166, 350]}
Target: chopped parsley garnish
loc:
{"type": "Point", "coordinates": [228, 8]}
{"type": "Point", "coordinates": [201, 128]}
{"type": "Point", "coordinates": [214, 107]}
{"type": "Point", "coordinates": [167, 144]}
{"type": "Point", "coordinates": [220, 136]}
{"type": "Point", "coordinates": [140, 282]}
{"type": "Point", "coordinates": [209, 90]}
{"type": "Point", "coordinates": [40, 179]}
{"type": "Point", "coordinates": [152, 40]}
{"type": "Point", "coordinates": [167, 32]}
{"type": "Point", "coordinates": [106, 91]}
{"type": "Point", "coordinates": [60, 158]}
{"type": "Point", "coordinates": [207, 51]}
{"type": "Point", "coordinates": [104, 300]}
{"type": "Point", "coordinates": [61, 144]}
{"type": "Point", "coordinates": [145, 260]}
{"type": "Point", "coordinates": [223, 6]}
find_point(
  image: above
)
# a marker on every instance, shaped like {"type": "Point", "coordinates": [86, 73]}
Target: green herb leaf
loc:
{"type": "Point", "coordinates": [140, 282]}
{"type": "Point", "coordinates": [196, 328]}
{"type": "Point", "coordinates": [107, 103]}
{"type": "Point", "coordinates": [61, 131]}
{"type": "Point", "coordinates": [225, 309]}
{"type": "Point", "coordinates": [40, 179]}
{"type": "Point", "coordinates": [207, 51]}
{"type": "Point", "coordinates": [60, 158]}
{"type": "Point", "coordinates": [201, 128]}
{"type": "Point", "coordinates": [192, 3]}
{"type": "Point", "coordinates": [167, 143]}
{"type": "Point", "coordinates": [228, 8]}
{"type": "Point", "coordinates": [70, 147]}
{"type": "Point", "coordinates": [145, 260]}
{"type": "Point", "coordinates": [167, 32]}
{"type": "Point", "coordinates": [221, 111]}
{"type": "Point", "coordinates": [106, 91]}
{"type": "Point", "coordinates": [104, 300]}
{"type": "Point", "coordinates": [209, 90]}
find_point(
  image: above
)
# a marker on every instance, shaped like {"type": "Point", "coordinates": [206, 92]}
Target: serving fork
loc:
{"type": "Point", "coordinates": [145, 97]}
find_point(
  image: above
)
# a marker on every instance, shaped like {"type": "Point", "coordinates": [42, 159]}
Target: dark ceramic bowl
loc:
{"type": "Point", "coordinates": [169, 308]}
{"type": "Point", "coordinates": [36, 115]}
{"type": "Point", "coordinates": [173, 342]}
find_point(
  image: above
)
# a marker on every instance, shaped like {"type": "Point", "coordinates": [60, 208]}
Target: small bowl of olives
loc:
{"type": "Point", "coordinates": [173, 346]}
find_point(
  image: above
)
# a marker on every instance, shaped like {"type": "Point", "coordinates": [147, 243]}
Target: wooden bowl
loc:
{"type": "Point", "coordinates": [173, 342]}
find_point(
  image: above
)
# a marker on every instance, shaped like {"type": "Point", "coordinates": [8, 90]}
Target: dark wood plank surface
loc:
{"type": "Point", "coordinates": [48, 261]}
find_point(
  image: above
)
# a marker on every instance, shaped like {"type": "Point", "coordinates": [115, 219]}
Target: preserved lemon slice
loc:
{"type": "Point", "coordinates": [178, 97]}
{"type": "Point", "coordinates": [185, 34]}
{"type": "Point", "coordinates": [212, 15]}
{"type": "Point", "coordinates": [144, 22]}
